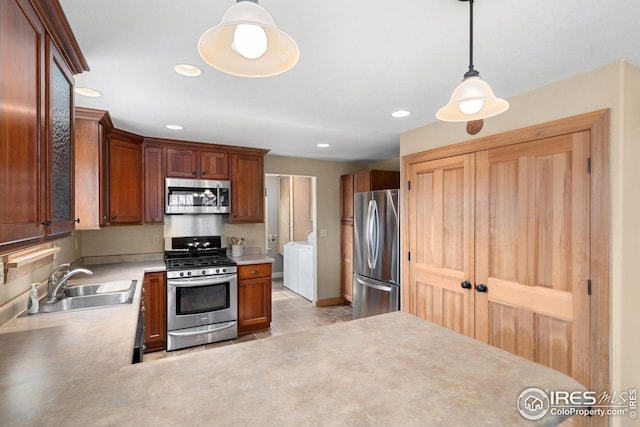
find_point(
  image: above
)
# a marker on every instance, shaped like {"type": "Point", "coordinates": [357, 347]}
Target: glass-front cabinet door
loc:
{"type": "Point", "coordinates": [60, 203]}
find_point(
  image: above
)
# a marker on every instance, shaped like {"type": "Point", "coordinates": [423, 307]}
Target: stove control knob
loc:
{"type": "Point", "coordinates": [224, 270]}
{"type": "Point", "coordinates": [181, 274]}
{"type": "Point", "coordinates": [188, 273]}
{"type": "Point", "coordinates": [204, 272]}
{"type": "Point", "coordinates": [217, 270]}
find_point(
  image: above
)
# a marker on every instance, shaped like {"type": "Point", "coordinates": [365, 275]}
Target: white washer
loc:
{"type": "Point", "coordinates": [291, 266]}
{"type": "Point", "coordinates": [305, 270]}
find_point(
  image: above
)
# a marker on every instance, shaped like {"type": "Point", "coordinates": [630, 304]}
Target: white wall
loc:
{"type": "Point", "coordinates": [616, 86]}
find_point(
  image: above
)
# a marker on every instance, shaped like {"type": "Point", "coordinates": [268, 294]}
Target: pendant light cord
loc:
{"type": "Point", "coordinates": [472, 72]}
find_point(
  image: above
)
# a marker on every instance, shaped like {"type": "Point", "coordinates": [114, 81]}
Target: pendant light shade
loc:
{"type": "Point", "coordinates": [472, 99]}
{"type": "Point", "coordinates": [248, 43]}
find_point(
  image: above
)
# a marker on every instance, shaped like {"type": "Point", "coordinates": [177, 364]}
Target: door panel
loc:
{"type": "Point", "coordinates": [441, 210]}
{"type": "Point", "coordinates": [532, 251]}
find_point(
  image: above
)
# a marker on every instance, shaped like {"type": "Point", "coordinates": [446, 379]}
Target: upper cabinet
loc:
{"type": "Point", "coordinates": [22, 123]}
{"type": "Point", "coordinates": [372, 180]}
{"type": "Point", "coordinates": [36, 118]}
{"type": "Point", "coordinates": [247, 188]}
{"type": "Point", "coordinates": [60, 201]}
{"type": "Point", "coordinates": [153, 176]}
{"type": "Point", "coordinates": [91, 156]}
{"type": "Point", "coordinates": [189, 163]}
{"type": "Point", "coordinates": [125, 178]}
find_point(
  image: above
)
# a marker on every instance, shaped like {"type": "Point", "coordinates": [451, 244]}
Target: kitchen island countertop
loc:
{"type": "Point", "coordinates": [74, 369]}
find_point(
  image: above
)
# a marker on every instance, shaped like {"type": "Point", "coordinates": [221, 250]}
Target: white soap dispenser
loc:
{"type": "Point", "coordinates": [34, 303]}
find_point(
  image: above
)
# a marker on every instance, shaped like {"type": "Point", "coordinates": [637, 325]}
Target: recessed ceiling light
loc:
{"type": "Point", "coordinates": [323, 145]}
{"type": "Point", "coordinates": [85, 91]}
{"type": "Point", "coordinates": [174, 127]}
{"type": "Point", "coordinates": [401, 113]}
{"type": "Point", "coordinates": [187, 70]}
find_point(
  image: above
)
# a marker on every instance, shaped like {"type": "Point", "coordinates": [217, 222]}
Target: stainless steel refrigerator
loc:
{"type": "Point", "coordinates": [376, 253]}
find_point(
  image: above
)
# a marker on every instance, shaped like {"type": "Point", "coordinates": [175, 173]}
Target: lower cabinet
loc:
{"type": "Point", "coordinates": [155, 311]}
{"type": "Point", "coordinates": [254, 297]}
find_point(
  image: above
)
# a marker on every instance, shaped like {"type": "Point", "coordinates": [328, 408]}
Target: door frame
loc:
{"type": "Point", "coordinates": [598, 123]}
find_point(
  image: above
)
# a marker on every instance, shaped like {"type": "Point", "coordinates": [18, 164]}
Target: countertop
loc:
{"type": "Point", "coordinates": [251, 259]}
{"type": "Point", "coordinates": [74, 369]}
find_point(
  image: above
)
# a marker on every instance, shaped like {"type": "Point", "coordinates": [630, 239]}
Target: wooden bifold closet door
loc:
{"type": "Point", "coordinates": [500, 248]}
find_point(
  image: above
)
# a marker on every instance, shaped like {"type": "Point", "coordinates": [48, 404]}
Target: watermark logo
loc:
{"type": "Point", "coordinates": [533, 403]}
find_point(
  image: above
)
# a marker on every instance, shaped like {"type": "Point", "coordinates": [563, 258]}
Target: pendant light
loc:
{"type": "Point", "coordinates": [248, 43]}
{"type": "Point", "coordinates": [473, 99]}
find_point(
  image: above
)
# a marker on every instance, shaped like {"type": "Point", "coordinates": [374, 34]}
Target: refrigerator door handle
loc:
{"type": "Point", "coordinates": [372, 234]}
{"type": "Point", "coordinates": [375, 286]}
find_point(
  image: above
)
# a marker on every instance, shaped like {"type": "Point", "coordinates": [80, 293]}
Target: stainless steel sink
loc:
{"type": "Point", "coordinates": [82, 297]}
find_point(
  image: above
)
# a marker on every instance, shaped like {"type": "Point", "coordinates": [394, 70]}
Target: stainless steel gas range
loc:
{"type": "Point", "coordinates": [202, 292]}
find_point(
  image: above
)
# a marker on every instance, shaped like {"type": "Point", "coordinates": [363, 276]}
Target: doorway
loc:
{"type": "Point", "coordinates": [290, 216]}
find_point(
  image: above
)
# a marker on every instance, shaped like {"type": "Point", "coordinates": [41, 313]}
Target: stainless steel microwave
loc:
{"type": "Point", "coordinates": [197, 196]}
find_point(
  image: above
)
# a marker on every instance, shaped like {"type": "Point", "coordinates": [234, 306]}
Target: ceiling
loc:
{"type": "Point", "coordinates": [360, 60]}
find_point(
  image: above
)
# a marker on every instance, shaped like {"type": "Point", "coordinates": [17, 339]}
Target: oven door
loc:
{"type": "Point", "coordinates": [201, 301]}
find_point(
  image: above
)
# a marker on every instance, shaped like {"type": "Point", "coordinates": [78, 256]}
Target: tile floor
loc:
{"type": "Point", "coordinates": [290, 313]}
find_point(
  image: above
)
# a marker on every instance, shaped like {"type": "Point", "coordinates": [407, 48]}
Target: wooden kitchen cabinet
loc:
{"type": "Point", "coordinates": [188, 163]}
{"type": "Point", "coordinates": [372, 180]}
{"type": "Point", "coordinates": [153, 169]}
{"type": "Point", "coordinates": [247, 188]}
{"type": "Point", "coordinates": [346, 199]}
{"type": "Point", "coordinates": [155, 311]}
{"type": "Point", "coordinates": [91, 167]}
{"type": "Point", "coordinates": [36, 176]}
{"type": "Point", "coordinates": [125, 178]}
{"type": "Point", "coordinates": [346, 261]}
{"type": "Point", "coordinates": [254, 297]}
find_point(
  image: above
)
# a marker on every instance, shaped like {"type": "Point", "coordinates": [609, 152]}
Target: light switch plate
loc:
{"type": "Point", "coordinates": [324, 232]}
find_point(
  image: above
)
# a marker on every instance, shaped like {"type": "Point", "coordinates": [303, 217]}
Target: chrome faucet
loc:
{"type": "Point", "coordinates": [56, 285]}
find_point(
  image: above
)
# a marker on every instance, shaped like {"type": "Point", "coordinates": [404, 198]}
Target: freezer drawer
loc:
{"type": "Point", "coordinates": [372, 297]}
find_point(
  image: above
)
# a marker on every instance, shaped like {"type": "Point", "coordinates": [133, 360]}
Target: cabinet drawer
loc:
{"type": "Point", "coordinates": [254, 270]}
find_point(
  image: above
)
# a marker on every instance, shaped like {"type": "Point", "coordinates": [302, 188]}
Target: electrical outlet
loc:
{"type": "Point", "coordinates": [324, 232]}
{"type": "Point", "coordinates": [156, 239]}
{"type": "Point", "coordinates": [245, 235]}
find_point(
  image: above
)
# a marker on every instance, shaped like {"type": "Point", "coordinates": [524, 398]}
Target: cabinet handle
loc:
{"type": "Point", "coordinates": [240, 285]}
{"type": "Point", "coordinates": [481, 288]}
{"type": "Point", "coordinates": [254, 271]}
{"type": "Point", "coordinates": [194, 173]}
{"type": "Point", "coordinates": [46, 223]}
{"type": "Point", "coordinates": [77, 220]}
{"type": "Point", "coordinates": [465, 285]}
{"type": "Point", "coordinates": [104, 217]}
{"type": "Point", "coordinates": [203, 173]}
{"type": "Point", "coordinates": [113, 217]}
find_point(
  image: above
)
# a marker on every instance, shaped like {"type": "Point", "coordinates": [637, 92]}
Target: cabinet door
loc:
{"type": "Point", "coordinates": [60, 209]}
{"type": "Point", "coordinates": [22, 125]}
{"type": "Point", "coordinates": [86, 152]}
{"type": "Point", "coordinates": [153, 185]}
{"type": "Point", "coordinates": [346, 199]}
{"type": "Point", "coordinates": [214, 165]}
{"type": "Point", "coordinates": [125, 181]}
{"type": "Point", "coordinates": [182, 163]}
{"type": "Point", "coordinates": [155, 315]}
{"type": "Point", "coordinates": [533, 251]}
{"type": "Point", "coordinates": [441, 242]}
{"type": "Point", "coordinates": [247, 188]}
{"type": "Point", "coordinates": [346, 261]}
{"type": "Point", "coordinates": [254, 304]}
{"type": "Point", "coordinates": [362, 182]}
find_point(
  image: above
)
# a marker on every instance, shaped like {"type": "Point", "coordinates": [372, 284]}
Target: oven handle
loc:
{"type": "Point", "coordinates": [207, 331]}
{"type": "Point", "coordinates": [190, 282]}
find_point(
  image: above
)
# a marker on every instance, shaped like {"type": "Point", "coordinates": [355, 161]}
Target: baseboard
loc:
{"type": "Point", "coordinates": [328, 302]}
{"type": "Point", "coordinates": [277, 275]}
